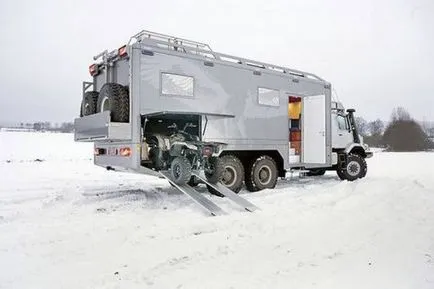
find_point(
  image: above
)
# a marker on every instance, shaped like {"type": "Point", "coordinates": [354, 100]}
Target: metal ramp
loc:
{"type": "Point", "coordinates": [212, 208]}
{"type": "Point", "coordinates": [228, 193]}
{"type": "Point", "coordinates": [207, 204]}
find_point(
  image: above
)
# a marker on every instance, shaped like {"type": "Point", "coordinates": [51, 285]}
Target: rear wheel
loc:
{"type": "Point", "coordinates": [214, 170]}
{"type": "Point", "coordinates": [180, 170]}
{"type": "Point", "coordinates": [193, 182]}
{"type": "Point", "coordinates": [262, 174]}
{"type": "Point", "coordinates": [115, 97]}
{"type": "Point", "coordinates": [89, 103]}
{"type": "Point", "coordinates": [232, 174]}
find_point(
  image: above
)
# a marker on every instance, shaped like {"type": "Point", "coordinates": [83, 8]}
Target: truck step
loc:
{"type": "Point", "coordinates": [228, 193]}
{"type": "Point", "coordinates": [208, 205]}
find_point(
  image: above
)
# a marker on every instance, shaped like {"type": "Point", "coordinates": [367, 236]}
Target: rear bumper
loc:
{"type": "Point", "coordinates": [111, 157]}
{"type": "Point", "coordinates": [369, 154]}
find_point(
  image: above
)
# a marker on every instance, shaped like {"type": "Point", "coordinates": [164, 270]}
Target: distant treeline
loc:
{"type": "Point", "coordinates": [401, 133]}
{"type": "Point", "coordinates": [45, 126]}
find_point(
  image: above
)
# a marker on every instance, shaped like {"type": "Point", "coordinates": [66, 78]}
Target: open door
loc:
{"type": "Point", "coordinates": [314, 149]}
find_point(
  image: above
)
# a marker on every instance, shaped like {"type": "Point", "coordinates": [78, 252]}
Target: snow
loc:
{"type": "Point", "coordinates": [65, 223]}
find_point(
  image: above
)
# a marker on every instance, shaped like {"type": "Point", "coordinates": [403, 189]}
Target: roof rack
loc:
{"type": "Point", "coordinates": [169, 39]}
{"type": "Point", "coordinates": [197, 48]}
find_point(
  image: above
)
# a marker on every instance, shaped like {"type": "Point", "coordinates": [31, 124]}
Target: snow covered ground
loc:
{"type": "Point", "coordinates": [65, 223]}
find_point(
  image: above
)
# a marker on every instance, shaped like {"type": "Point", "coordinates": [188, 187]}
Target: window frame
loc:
{"type": "Point", "coordinates": [346, 124]}
{"type": "Point", "coordinates": [177, 95]}
{"type": "Point", "coordinates": [270, 89]}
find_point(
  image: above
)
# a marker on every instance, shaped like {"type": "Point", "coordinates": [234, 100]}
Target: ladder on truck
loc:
{"type": "Point", "coordinates": [206, 203]}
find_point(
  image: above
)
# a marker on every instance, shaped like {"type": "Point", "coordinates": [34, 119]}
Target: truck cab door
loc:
{"type": "Point", "coordinates": [341, 134]}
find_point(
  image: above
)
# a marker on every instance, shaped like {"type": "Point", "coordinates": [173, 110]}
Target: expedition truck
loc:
{"type": "Point", "coordinates": [172, 107]}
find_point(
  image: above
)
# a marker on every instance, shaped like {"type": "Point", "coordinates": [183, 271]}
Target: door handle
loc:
{"type": "Point", "coordinates": [340, 134]}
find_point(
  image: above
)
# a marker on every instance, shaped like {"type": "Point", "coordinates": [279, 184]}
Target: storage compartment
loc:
{"type": "Point", "coordinates": [294, 107]}
{"type": "Point", "coordinates": [164, 124]}
{"type": "Point", "coordinates": [99, 127]}
{"type": "Point", "coordinates": [160, 130]}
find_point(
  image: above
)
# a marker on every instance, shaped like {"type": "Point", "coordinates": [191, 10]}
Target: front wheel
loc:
{"type": "Point", "coordinates": [354, 169]}
{"type": "Point", "coordinates": [180, 170]}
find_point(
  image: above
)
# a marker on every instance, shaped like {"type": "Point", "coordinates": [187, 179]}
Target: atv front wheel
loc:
{"type": "Point", "coordinates": [180, 170]}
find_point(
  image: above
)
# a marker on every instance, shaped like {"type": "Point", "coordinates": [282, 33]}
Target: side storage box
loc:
{"type": "Point", "coordinates": [99, 127]}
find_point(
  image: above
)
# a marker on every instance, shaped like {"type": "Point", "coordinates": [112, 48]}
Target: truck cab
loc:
{"type": "Point", "coordinates": [348, 149]}
{"type": "Point", "coordinates": [341, 132]}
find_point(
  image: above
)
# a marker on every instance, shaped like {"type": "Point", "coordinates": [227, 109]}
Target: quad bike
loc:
{"type": "Point", "coordinates": [181, 153]}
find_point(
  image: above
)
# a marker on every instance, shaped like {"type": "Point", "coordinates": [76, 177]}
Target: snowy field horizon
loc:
{"type": "Point", "coordinates": [66, 223]}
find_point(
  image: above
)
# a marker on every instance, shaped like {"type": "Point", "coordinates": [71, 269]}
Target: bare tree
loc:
{"type": "Point", "coordinates": [362, 125]}
{"type": "Point", "coordinates": [376, 127]}
{"type": "Point", "coordinates": [400, 113]}
{"type": "Point", "coordinates": [66, 127]}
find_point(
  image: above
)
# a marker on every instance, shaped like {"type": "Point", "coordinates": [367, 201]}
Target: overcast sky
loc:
{"type": "Point", "coordinates": [377, 54]}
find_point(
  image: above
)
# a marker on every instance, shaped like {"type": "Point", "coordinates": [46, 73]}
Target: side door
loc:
{"type": "Point", "coordinates": [314, 150]}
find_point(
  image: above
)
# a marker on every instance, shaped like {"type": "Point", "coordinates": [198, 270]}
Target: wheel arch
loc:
{"type": "Point", "coordinates": [356, 149]}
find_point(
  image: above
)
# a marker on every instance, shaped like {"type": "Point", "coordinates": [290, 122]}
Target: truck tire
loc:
{"type": "Point", "coordinates": [115, 97]}
{"type": "Point", "coordinates": [232, 175]}
{"type": "Point", "coordinates": [180, 170]}
{"type": "Point", "coordinates": [316, 172]}
{"type": "Point", "coordinates": [262, 174]}
{"type": "Point", "coordinates": [355, 168]}
{"type": "Point", "coordinates": [340, 174]}
{"type": "Point", "coordinates": [89, 103]}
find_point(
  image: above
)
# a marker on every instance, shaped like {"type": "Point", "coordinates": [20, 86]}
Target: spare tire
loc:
{"type": "Point", "coordinates": [89, 103]}
{"type": "Point", "coordinates": [115, 97]}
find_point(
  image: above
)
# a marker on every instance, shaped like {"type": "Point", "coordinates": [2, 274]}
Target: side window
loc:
{"type": "Point", "coordinates": [342, 122]}
{"type": "Point", "coordinates": [268, 96]}
{"type": "Point", "coordinates": [177, 85]}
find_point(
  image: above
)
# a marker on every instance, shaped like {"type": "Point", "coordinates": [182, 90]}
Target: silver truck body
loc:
{"type": "Point", "coordinates": [242, 103]}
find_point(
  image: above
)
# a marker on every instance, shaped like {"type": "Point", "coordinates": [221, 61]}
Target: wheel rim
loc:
{"type": "Point", "coordinates": [229, 176]}
{"type": "Point", "coordinates": [353, 168]}
{"type": "Point", "coordinates": [105, 105]}
{"type": "Point", "coordinates": [264, 175]}
{"type": "Point", "coordinates": [177, 171]}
